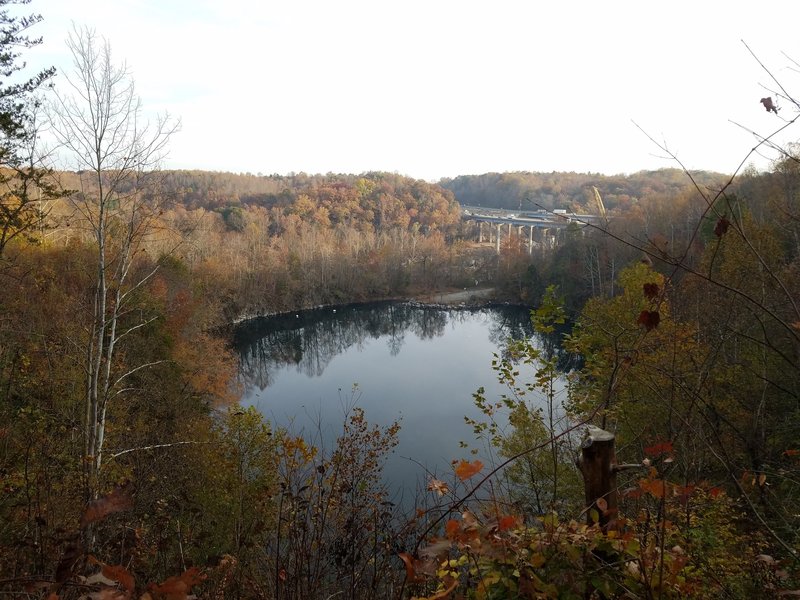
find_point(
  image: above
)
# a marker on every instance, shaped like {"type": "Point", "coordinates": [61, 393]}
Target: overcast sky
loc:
{"type": "Point", "coordinates": [438, 88]}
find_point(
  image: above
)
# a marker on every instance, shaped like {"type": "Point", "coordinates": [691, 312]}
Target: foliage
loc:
{"type": "Point", "coordinates": [493, 554]}
{"type": "Point", "coordinates": [26, 185]}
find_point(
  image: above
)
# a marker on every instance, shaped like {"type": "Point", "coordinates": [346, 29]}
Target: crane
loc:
{"type": "Point", "coordinates": [599, 203]}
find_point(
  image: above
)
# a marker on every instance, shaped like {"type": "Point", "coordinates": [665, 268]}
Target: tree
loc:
{"type": "Point", "coordinates": [100, 125]}
{"type": "Point", "coordinates": [24, 183]}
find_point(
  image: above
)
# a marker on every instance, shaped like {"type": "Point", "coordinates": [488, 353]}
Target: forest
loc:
{"type": "Point", "coordinates": [129, 471]}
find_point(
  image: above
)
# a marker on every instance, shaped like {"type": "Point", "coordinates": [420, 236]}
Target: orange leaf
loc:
{"type": "Point", "coordinates": [465, 469]}
{"type": "Point", "coordinates": [507, 523]}
{"type": "Point", "coordinates": [444, 593]}
{"type": "Point", "coordinates": [452, 528]}
{"type": "Point", "coordinates": [654, 487]}
{"type": "Point", "coordinates": [121, 575]}
{"type": "Point", "coordinates": [120, 499]}
{"type": "Point", "coordinates": [656, 449]}
{"type": "Point", "coordinates": [408, 560]}
{"type": "Point", "coordinates": [178, 588]}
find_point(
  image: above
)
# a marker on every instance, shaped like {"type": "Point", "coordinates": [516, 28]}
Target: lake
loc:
{"type": "Point", "coordinates": [414, 363]}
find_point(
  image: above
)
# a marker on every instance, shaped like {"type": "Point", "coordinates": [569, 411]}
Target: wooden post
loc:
{"type": "Point", "coordinates": [598, 465]}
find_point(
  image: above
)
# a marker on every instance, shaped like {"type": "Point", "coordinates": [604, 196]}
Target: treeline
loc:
{"type": "Point", "coordinates": [374, 200]}
{"type": "Point", "coordinates": [572, 191]}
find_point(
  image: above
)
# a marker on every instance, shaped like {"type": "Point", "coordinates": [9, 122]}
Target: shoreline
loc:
{"type": "Point", "coordinates": [467, 298]}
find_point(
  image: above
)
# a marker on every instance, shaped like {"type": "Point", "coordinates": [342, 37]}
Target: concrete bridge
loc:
{"type": "Point", "coordinates": [547, 225]}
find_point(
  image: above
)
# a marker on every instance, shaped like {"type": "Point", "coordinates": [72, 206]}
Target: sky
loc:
{"type": "Point", "coordinates": [440, 88]}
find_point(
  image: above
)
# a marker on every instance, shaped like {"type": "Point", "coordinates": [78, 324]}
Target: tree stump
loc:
{"type": "Point", "coordinates": [597, 463]}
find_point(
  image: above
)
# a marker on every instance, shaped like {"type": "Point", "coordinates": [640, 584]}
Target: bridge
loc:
{"type": "Point", "coordinates": [548, 225]}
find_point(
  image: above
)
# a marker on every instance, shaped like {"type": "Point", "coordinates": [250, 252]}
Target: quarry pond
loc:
{"type": "Point", "coordinates": [417, 364]}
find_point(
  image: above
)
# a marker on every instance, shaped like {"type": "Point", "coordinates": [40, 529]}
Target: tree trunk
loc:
{"type": "Point", "coordinates": [597, 464]}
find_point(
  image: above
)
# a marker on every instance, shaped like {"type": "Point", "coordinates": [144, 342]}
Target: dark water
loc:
{"type": "Point", "coordinates": [417, 364]}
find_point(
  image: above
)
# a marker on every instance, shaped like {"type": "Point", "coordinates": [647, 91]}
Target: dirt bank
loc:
{"type": "Point", "coordinates": [466, 296]}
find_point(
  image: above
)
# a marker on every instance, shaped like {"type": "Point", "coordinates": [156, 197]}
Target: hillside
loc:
{"type": "Point", "coordinates": [522, 190]}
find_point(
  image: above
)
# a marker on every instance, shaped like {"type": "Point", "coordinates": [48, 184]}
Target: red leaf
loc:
{"type": "Point", "coordinates": [601, 504]}
{"type": "Point", "coordinates": [714, 492]}
{"type": "Point", "coordinates": [120, 499]}
{"type": "Point", "coordinates": [657, 449]}
{"type": "Point", "coordinates": [649, 318]}
{"type": "Point", "coordinates": [722, 226]}
{"type": "Point", "coordinates": [465, 469]}
{"type": "Point", "coordinates": [282, 574]}
{"type": "Point", "coordinates": [651, 290]}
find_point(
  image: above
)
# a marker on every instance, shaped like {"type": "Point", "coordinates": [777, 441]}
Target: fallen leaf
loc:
{"type": "Point", "coordinates": [178, 587]}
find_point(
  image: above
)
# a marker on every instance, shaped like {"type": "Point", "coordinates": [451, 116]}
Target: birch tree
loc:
{"type": "Point", "coordinates": [100, 124]}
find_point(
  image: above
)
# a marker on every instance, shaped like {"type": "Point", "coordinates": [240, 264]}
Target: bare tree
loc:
{"type": "Point", "coordinates": [99, 122]}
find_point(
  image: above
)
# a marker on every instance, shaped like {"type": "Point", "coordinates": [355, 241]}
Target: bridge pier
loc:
{"type": "Point", "coordinates": [530, 239]}
{"type": "Point", "coordinates": [497, 239]}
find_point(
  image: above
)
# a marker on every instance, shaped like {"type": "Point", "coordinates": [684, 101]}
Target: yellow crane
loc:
{"type": "Point", "coordinates": [599, 203]}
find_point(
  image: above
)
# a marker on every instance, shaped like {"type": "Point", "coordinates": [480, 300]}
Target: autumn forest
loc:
{"type": "Point", "coordinates": [128, 470]}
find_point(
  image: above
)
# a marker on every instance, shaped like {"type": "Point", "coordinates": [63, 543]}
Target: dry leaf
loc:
{"type": "Point", "coordinates": [465, 469]}
{"type": "Point", "coordinates": [120, 499]}
{"type": "Point", "coordinates": [649, 318]}
{"type": "Point", "coordinates": [178, 588]}
{"type": "Point", "coordinates": [438, 486]}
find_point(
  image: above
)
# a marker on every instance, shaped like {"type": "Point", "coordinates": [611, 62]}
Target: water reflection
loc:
{"type": "Point", "coordinates": [309, 340]}
{"type": "Point", "coordinates": [418, 364]}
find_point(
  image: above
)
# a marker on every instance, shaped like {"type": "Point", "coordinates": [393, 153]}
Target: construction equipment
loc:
{"type": "Point", "coordinates": [599, 203]}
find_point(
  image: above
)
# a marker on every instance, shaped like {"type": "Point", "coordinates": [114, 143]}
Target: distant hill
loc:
{"type": "Point", "coordinates": [523, 190]}
{"type": "Point", "coordinates": [370, 200]}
